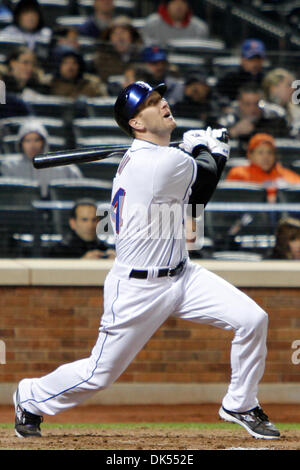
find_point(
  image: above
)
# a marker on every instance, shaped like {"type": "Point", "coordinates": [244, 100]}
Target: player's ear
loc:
{"type": "Point", "coordinates": [136, 124]}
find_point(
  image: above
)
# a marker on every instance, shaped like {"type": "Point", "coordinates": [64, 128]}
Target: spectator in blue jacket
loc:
{"type": "Point", "coordinates": [104, 12]}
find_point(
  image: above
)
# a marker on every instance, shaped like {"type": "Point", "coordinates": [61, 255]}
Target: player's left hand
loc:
{"type": "Point", "coordinates": [193, 139]}
{"type": "Point", "coordinates": [218, 141]}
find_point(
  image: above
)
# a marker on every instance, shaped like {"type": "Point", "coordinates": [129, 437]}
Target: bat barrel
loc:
{"type": "Point", "coordinates": [68, 157]}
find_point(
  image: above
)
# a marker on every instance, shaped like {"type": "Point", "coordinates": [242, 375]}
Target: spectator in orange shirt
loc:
{"type": "Point", "coordinates": [263, 167]}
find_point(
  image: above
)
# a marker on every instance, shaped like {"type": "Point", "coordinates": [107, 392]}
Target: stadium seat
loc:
{"type": "Point", "coordinates": [18, 191]}
{"type": "Point", "coordinates": [16, 212]}
{"type": "Point", "coordinates": [224, 64]}
{"type": "Point", "coordinates": [71, 21]}
{"type": "Point", "coordinates": [236, 256]}
{"type": "Point", "coordinates": [289, 194]}
{"type": "Point", "coordinates": [97, 127]}
{"type": "Point", "coordinates": [8, 45]}
{"type": "Point", "coordinates": [53, 8]}
{"type": "Point", "coordinates": [289, 150]}
{"type": "Point", "coordinates": [197, 47]}
{"type": "Point", "coordinates": [187, 63]}
{"type": "Point", "coordinates": [46, 107]}
{"type": "Point", "coordinates": [295, 166]}
{"type": "Point", "coordinates": [100, 107]}
{"type": "Point", "coordinates": [104, 170]}
{"type": "Point", "coordinates": [236, 191]}
{"type": "Point", "coordinates": [102, 140]}
{"type": "Point", "coordinates": [73, 189]}
{"type": "Point", "coordinates": [223, 224]}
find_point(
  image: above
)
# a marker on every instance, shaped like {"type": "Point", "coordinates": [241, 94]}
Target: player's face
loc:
{"type": "Point", "coordinates": [85, 223]}
{"type": "Point", "coordinates": [155, 116]}
{"type": "Point", "coordinates": [32, 144]}
{"type": "Point", "coordinates": [263, 156]}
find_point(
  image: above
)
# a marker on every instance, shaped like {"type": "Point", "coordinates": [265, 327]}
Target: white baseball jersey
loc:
{"type": "Point", "coordinates": [150, 193]}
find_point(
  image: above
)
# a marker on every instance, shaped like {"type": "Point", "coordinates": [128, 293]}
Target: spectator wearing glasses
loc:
{"type": "Point", "coordinates": [22, 72]}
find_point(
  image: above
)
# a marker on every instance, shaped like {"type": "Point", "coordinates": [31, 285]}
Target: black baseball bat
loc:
{"type": "Point", "coordinates": [80, 155]}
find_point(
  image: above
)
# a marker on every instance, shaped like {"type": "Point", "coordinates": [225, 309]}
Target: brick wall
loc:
{"type": "Point", "coordinates": [43, 327]}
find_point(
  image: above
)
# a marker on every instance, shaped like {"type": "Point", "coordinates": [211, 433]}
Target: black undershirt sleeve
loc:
{"type": "Point", "coordinates": [209, 171]}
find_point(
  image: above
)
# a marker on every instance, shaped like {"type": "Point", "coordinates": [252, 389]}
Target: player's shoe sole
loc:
{"type": "Point", "coordinates": [26, 424]}
{"type": "Point", "coordinates": [254, 421]}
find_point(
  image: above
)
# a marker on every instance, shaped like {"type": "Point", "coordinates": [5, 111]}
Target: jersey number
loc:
{"type": "Point", "coordinates": [117, 207]}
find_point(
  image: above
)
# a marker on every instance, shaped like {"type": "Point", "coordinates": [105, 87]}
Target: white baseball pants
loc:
{"type": "Point", "coordinates": [133, 310]}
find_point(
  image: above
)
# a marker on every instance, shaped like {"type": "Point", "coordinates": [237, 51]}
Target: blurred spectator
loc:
{"type": "Point", "coordinates": [250, 115]}
{"type": "Point", "coordinates": [199, 101]}
{"type": "Point", "coordinates": [70, 79]}
{"type": "Point", "coordinates": [263, 167]}
{"type": "Point", "coordinates": [173, 20]}
{"type": "Point", "coordinates": [28, 24]}
{"type": "Point", "coordinates": [122, 44]}
{"type": "Point", "coordinates": [104, 11]}
{"type": "Point", "coordinates": [287, 244]}
{"type": "Point", "coordinates": [64, 37]}
{"type": "Point", "coordinates": [22, 72]}
{"type": "Point", "coordinates": [158, 68]}
{"type": "Point", "coordinates": [82, 241]}
{"type": "Point", "coordinates": [33, 140]}
{"type": "Point", "coordinates": [278, 90]}
{"type": "Point", "coordinates": [251, 69]}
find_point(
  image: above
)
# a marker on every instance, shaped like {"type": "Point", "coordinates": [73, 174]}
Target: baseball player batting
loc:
{"type": "Point", "coordinates": [152, 277]}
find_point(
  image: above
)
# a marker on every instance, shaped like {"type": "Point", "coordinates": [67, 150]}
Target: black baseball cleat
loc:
{"type": "Point", "coordinates": [255, 421]}
{"type": "Point", "coordinates": [26, 424]}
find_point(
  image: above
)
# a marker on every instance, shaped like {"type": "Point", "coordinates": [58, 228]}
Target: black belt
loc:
{"type": "Point", "coordinates": [143, 274]}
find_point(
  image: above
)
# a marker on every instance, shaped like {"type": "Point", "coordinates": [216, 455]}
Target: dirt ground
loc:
{"type": "Point", "coordinates": [145, 438]}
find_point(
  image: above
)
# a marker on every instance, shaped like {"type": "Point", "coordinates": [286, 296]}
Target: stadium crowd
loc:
{"type": "Point", "coordinates": [64, 64]}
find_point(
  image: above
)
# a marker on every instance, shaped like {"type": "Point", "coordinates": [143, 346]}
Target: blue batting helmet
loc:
{"type": "Point", "coordinates": [128, 101]}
